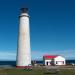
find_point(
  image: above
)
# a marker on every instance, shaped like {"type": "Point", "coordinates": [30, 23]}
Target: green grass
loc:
{"type": "Point", "coordinates": [35, 71]}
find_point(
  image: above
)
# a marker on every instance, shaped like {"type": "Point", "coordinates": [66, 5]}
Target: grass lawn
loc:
{"type": "Point", "coordinates": [35, 71]}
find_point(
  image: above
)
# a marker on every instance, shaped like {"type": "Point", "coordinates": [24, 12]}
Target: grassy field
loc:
{"type": "Point", "coordinates": [36, 71]}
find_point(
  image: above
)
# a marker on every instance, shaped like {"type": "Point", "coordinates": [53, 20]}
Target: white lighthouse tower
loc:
{"type": "Point", "coordinates": [24, 51]}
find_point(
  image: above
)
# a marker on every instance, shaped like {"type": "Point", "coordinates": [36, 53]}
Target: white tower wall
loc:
{"type": "Point", "coordinates": [24, 52]}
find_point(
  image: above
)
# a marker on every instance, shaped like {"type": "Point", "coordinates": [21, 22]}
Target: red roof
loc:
{"type": "Point", "coordinates": [49, 56]}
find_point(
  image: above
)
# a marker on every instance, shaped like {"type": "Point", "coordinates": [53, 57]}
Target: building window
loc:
{"type": "Point", "coordinates": [63, 62]}
{"type": "Point", "coordinates": [56, 62]}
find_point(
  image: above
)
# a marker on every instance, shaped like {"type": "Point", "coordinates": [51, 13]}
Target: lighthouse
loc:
{"type": "Point", "coordinates": [23, 50]}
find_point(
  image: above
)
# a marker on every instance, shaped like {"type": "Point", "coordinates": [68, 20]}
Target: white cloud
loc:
{"type": "Point", "coordinates": [38, 54]}
{"type": "Point", "coordinates": [7, 55]}
{"type": "Point", "coordinates": [68, 54]}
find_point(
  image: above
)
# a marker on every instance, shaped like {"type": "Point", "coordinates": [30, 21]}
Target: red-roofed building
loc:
{"type": "Point", "coordinates": [49, 56]}
{"type": "Point", "coordinates": [53, 60]}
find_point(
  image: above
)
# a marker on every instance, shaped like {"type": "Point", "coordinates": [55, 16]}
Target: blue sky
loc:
{"type": "Point", "coordinates": [52, 27]}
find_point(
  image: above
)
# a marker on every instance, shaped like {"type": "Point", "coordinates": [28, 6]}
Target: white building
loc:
{"type": "Point", "coordinates": [54, 60]}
